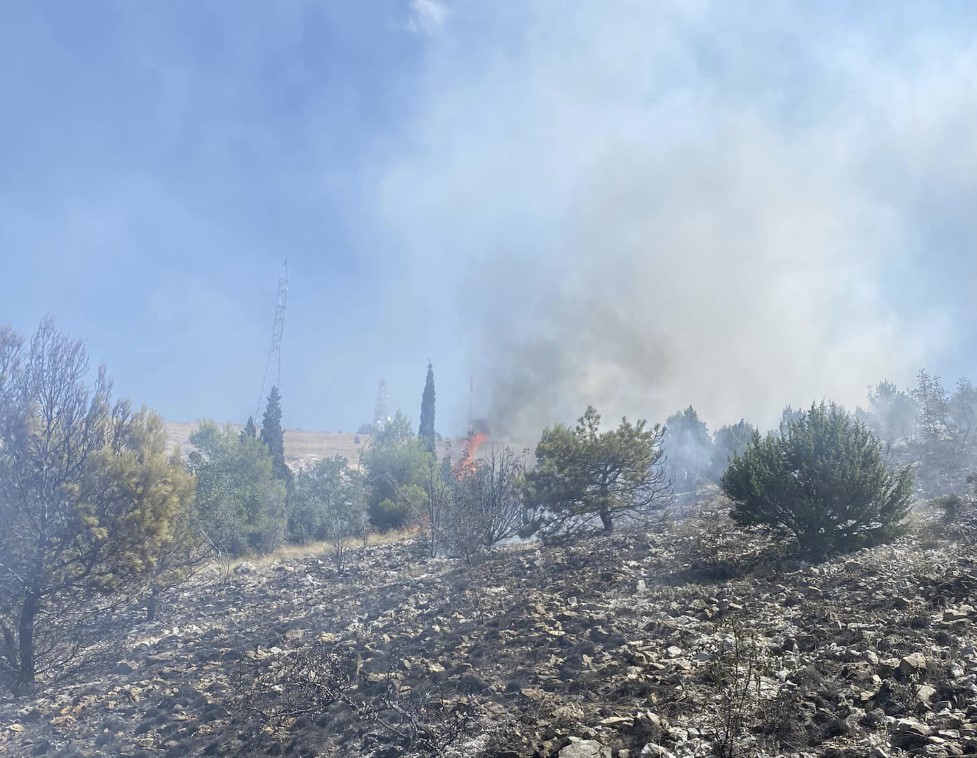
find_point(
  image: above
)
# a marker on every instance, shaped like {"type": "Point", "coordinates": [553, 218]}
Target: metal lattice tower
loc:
{"type": "Point", "coordinates": [275, 353]}
{"type": "Point", "coordinates": [380, 409]}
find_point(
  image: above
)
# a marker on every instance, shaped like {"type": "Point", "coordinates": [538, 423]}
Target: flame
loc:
{"type": "Point", "coordinates": [466, 466]}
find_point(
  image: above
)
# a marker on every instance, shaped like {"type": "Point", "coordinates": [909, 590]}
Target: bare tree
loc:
{"type": "Point", "coordinates": [487, 504]}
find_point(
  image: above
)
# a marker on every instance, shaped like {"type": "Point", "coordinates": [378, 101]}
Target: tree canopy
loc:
{"type": "Point", "coordinates": [583, 474]}
{"type": "Point", "coordinates": [396, 466]}
{"type": "Point", "coordinates": [88, 497]}
{"type": "Point", "coordinates": [823, 481]}
{"type": "Point", "coordinates": [273, 435]}
{"type": "Point", "coordinates": [240, 500]}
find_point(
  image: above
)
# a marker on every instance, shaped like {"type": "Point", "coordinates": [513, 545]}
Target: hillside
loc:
{"type": "Point", "coordinates": [679, 641]}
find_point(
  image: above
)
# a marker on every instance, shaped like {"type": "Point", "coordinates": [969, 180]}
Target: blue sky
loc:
{"type": "Point", "coordinates": [637, 205]}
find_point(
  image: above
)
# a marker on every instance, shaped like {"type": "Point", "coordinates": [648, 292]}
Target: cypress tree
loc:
{"type": "Point", "coordinates": [426, 429]}
{"type": "Point", "coordinates": [273, 435]}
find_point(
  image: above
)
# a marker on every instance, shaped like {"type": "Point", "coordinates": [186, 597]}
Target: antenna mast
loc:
{"type": "Point", "coordinates": [275, 353]}
{"type": "Point", "coordinates": [380, 409]}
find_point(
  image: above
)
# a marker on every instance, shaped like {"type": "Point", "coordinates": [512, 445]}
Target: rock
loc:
{"type": "Point", "coordinates": [656, 751]}
{"type": "Point", "coordinates": [910, 734]}
{"type": "Point", "coordinates": [617, 721]}
{"type": "Point", "coordinates": [579, 748]}
{"type": "Point", "coordinates": [925, 693]}
{"type": "Point", "coordinates": [955, 614]}
{"type": "Point", "coordinates": [913, 664]}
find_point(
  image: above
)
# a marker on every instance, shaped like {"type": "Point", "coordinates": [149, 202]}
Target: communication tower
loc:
{"type": "Point", "coordinates": [380, 409]}
{"type": "Point", "coordinates": [275, 352]}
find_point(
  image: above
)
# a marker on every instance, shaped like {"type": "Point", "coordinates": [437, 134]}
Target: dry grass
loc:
{"type": "Point", "coordinates": [324, 547]}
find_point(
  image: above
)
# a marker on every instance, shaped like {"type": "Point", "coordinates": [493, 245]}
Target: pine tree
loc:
{"type": "Point", "coordinates": [426, 429]}
{"type": "Point", "coordinates": [250, 430]}
{"type": "Point", "coordinates": [273, 435]}
{"type": "Point", "coordinates": [88, 499]}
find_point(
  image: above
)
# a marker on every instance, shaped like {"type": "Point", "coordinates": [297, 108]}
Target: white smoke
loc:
{"type": "Point", "coordinates": [639, 213]}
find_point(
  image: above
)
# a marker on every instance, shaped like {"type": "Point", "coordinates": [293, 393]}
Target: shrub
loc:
{"type": "Point", "coordinates": [823, 481]}
{"type": "Point", "coordinates": [958, 513]}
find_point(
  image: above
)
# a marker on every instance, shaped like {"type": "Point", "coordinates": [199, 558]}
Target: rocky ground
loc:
{"type": "Point", "coordinates": [682, 640]}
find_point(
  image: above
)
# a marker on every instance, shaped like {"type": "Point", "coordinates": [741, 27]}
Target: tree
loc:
{"type": "Point", "coordinates": [891, 414]}
{"type": "Point", "coordinates": [273, 435]}
{"type": "Point", "coordinates": [934, 419]}
{"type": "Point", "coordinates": [396, 467]}
{"type": "Point", "coordinates": [88, 495]}
{"type": "Point", "coordinates": [328, 504]}
{"type": "Point", "coordinates": [251, 430]}
{"type": "Point", "coordinates": [823, 481]}
{"type": "Point", "coordinates": [730, 441]}
{"type": "Point", "coordinates": [426, 429]}
{"type": "Point", "coordinates": [939, 445]}
{"type": "Point", "coordinates": [240, 500]}
{"type": "Point", "coordinates": [582, 474]}
{"type": "Point", "coordinates": [688, 449]}
{"type": "Point", "coordinates": [789, 415]}
{"type": "Point", "coordinates": [963, 415]}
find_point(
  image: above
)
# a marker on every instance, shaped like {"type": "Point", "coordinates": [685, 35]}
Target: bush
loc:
{"type": "Point", "coordinates": [958, 513]}
{"type": "Point", "coordinates": [823, 481]}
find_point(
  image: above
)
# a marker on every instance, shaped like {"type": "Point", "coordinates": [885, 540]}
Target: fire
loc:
{"type": "Point", "coordinates": [476, 438]}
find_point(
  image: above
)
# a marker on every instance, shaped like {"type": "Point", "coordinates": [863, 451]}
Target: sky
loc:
{"type": "Point", "coordinates": [635, 205]}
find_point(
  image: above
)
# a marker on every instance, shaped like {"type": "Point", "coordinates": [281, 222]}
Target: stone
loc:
{"type": "Point", "coordinates": [925, 693]}
{"type": "Point", "coordinates": [579, 748]}
{"type": "Point", "coordinates": [913, 664]}
{"type": "Point", "coordinates": [655, 751]}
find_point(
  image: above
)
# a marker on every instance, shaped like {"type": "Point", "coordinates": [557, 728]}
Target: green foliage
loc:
{"type": "Point", "coordinates": [88, 499]}
{"type": "Point", "coordinates": [730, 441]}
{"type": "Point", "coordinates": [273, 435]}
{"type": "Point", "coordinates": [250, 429]}
{"type": "Point", "coordinates": [396, 465]}
{"type": "Point", "coordinates": [688, 449]}
{"type": "Point", "coordinates": [426, 430]}
{"type": "Point", "coordinates": [240, 501]}
{"type": "Point", "coordinates": [823, 481]}
{"type": "Point", "coordinates": [328, 503]}
{"type": "Point", "coordinates": [582, 473]}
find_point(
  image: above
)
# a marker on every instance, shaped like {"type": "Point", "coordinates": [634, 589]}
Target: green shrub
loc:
{"type": "Point", "coordinates": [822, 481]}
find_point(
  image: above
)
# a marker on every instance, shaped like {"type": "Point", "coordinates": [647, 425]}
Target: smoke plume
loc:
{"type": "Point", "coordinates": [645, 207]}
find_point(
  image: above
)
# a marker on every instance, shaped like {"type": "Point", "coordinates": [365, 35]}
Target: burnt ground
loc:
{"type": "Point", "coordinates": [687, 640]}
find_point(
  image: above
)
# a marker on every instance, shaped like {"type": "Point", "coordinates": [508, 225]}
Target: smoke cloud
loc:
{"type": "Point", "coordinates": [645, 207]}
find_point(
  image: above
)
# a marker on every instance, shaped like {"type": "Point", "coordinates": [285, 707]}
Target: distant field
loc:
{"type": "Point", "coordinates": [300, 445]}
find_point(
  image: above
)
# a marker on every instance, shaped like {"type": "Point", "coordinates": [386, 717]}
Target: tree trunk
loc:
{"type": "Point", "coordinates": [25, 630]}
{"type": "Point", "coordinates": [605, 518]}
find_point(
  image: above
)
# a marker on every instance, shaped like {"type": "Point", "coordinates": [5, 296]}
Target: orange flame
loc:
{"type": "Point", "coordinates": [466, 466]}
